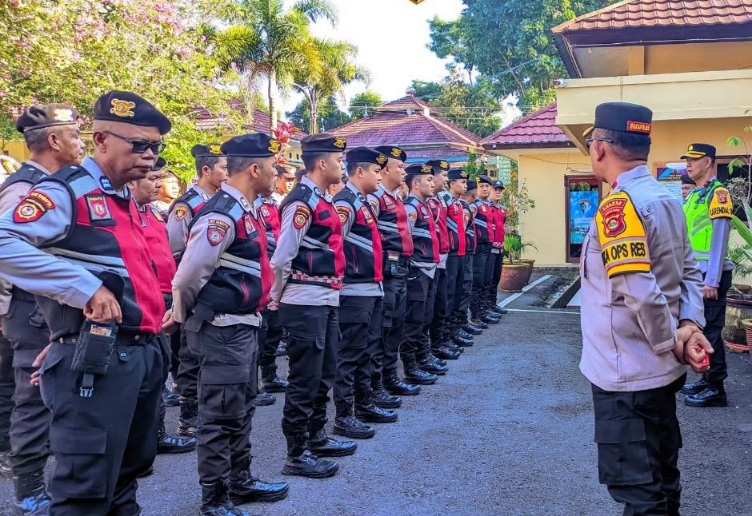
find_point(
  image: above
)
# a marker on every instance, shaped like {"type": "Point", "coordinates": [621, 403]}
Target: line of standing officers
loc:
{"type": "Point", "coordinates": [101, 292]}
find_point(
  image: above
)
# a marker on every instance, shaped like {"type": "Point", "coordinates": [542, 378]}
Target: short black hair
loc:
{"type": "Point", "coordinates": [352, 167]}
{"type": "Point", "coordinates": [629, 146]}
{"type": "Point", "coordinates": [206, 161]}
{"type": "Point", "coordinates": [410, 178]}
{"type": "Point", "coordinates": [311, 158]}
{"type": "Point", "coordinates": [281, 171]}
{"type": "Point", "coordinates": [37, 139]}
{"type": "Point", "coordinates": [237, 164]}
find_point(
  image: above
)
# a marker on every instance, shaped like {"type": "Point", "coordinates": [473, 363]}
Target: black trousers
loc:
{"type": "Point", "coordinates": [270, 334]}
{"type": "Point", "coordinates": [188, 367]}
{"type": "Point", "coordinates": [312, 349]}
{"type": "Point", "coordinates": [228, 384]}
{"type": "Point", "coordinates": [357, 321]}
{"type": "Point", "coordinates": [439, 326]}
{"type": "Point", "coordinates": [395, 307]}
{"type": "Point", "coordinates": [639, 438]}
{"type": "Point", "coordinates": [482, 273]}
{"type": "Point", "coordinates": [715, 320]}
{"type": "Point", "coordinates": [102, 443]}
{"type": "Point", "coordinates": [7, 388]}
{"type": "Point", "coordinates": [455, 285]}
{"type": "Point", "coordinates": [496, 262]}
{"type": "Point", "coordinates": [418, 287]}
{"type": "Point", "coordinates": [424, 349]}
{"type": "Point", "coordinates": [25, 328]}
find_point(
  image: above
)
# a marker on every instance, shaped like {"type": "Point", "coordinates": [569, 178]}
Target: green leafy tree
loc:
{"type": "Point", "coordinates": [364, 104]}
{"type": "Point", "coordinates": [330, 115]}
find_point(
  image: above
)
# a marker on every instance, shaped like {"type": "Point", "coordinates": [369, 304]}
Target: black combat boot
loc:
{"type": "Point", "coordinates": [380, 397]}
{"type": "Point", "coordinates": [432, 366]}
{"type": "Point", "coordinates": [188, 421]}
{"type": "Point", "coordinates": [462, 339]}
{"type": "Point", "coordinates": [345, 423]}
{"type": "Point", "coordinates": [711, 396]}
{"type": "Point", "coordinates": [264, 399]}
{"type": "Point", "coordinates": [270, 382]}
{"type": "Point", "coordinates": [395, 386]}
{"type": "Point", "coordinates": [301, 462]}
{"type": "Point", "coordinates": [490, 318]}
{"type": "Point", "coordinates": [695, 387]}
{"type": "Point", "coordinates": [416, 375]}
{"type": "Point", "coordinates": [322, 445]}
{"type": "Point", "coordinates": [31, 497]}
{"type": "Point", "coordinates": [170, 398]}
{"type": "Point", "coordinates": [474, 327]}
{"type": "Point", "coordinates": [446, 353]}
{"type": "Point", "coordinates": [245, 488]}
{"type": "Point", "coordinates": [215, 501]}
{"type": "Point", "coordinates": [169, 444]}
{"type": "Point", "coordinates": [366, 410]}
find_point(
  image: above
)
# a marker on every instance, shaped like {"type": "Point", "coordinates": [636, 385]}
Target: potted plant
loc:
{"type": "Point", "coordinates": [515, 272]}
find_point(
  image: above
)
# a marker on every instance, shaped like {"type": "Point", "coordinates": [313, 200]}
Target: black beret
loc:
{"type": "Point", "coordinates": [365, 155]}
{"type": "Point", "coordinates": [699, 150]}
{"type": "Point", "coordinates": [323, 142]}
{"type": "Point", "coordinates": [37, 117]}
{"type": "Point", "coordinates": [256, 145]}
{"type": "Point", "coordinates": [499, 185]}
{"type": "Point", "coordinates": [622, 117]}
{"type": "Point", "coordinates": [390, 151]}
{"type": "Point", "coordinates": [418, 169]}
{"type": "Point", "coordinates": [485, 179]}
{"type": "Point", "coordinates": [438, 164]}
{"type": "Point", "coordinates": [159, 164]}
{"type": "Point", "coordinates": [472, 185]}
{"type": "Point", "coordinates": [129, 108]}
{"type": "Point", "coordinates": [210, 150]}
{"type": "Point", "coordinates": [456, 174]}
{"type": "Point", "coordinates": [686, 180]}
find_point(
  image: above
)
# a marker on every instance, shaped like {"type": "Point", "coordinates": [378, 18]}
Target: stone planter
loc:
{"type": "Point", "coordinates": [513, 276]}
{"type": "Point", "coordinates": [737, 310]}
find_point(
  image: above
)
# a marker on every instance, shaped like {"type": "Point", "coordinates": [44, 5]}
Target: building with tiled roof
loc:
{"type": "Point", "coordinates": [207, 121]}
{"type": "Point", "coordinates": [536, 130]}
{"type": "Point", "coordinates": [416, 127]}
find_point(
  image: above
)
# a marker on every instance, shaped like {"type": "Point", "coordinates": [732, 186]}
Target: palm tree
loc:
{"type": "Point", "coordinates": [268, 41]}
{"type": "Point", "coordinates": [326, 76]}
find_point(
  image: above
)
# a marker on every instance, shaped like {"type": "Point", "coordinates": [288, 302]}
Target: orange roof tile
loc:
{"type": "Point", "coordinates": [538, 129]}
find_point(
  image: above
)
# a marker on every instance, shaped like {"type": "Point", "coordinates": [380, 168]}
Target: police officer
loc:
{"type": "Point", "coordinates": [360, 309]}
{"type": "Point", "coordinates": [420, 295]}
{"type": "Point", "coordinates": [397, 243]}
{"type": "Point", "coordinates": [497, 252]}
{"type": "Point", "coordinates": [483, 266]}
{"type": "Point", "coordinates": [474, 326]}
{"type": "Point", "coordinates": [709, 210]}
{"type": "Point", "coordinates": [52, 135]}
{"type": "Point", "coordinates": [223, 282]}
{"type": "Point", "coordinates": [73, 241]}
{"type": "Point", "coordinates": [687, 185]}
{"type": "Point", "coordinates": [144, 192]}
{"type": "Point", "coordinates": [309, 265]}
{"type": "Point", "coordinates": [211, 169]}
{"type": "Point", "coordinates": [441, 345]}
{"type": "Point", "coordinates": [641, 316]}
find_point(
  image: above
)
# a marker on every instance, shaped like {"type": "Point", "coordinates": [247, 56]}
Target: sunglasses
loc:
{"type": "Point", "coordinates": [590, 141]}
{"type": "Point", "coordinates": [140, 146]}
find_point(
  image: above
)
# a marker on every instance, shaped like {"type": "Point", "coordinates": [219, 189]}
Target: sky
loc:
{"type": "Point", "coordinates": [391, 36]}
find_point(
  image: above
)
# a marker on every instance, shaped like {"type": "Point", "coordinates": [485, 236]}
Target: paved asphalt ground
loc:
{"type": "Point", "coordinates": [507, 432]}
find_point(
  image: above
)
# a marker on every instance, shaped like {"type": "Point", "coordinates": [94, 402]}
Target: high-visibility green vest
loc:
{"type": "Point", "coordinates": [699, 224]}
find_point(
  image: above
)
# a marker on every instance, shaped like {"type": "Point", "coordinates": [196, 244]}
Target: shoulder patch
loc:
{"type": "Point", "coordinates": [300, 219]}
{"type": "Point", "coordinates": [33, 207]}
{"type": "Point", "coordinates": [180, 213]}
{"type": "Point", "coordinates": [622, 236]}
{"type": "Point", "coordinates": [216, 231]}
{"type": "Point", "coordinates": [721, 206]}
{"type": "Point", "coordinates": [344, 214]}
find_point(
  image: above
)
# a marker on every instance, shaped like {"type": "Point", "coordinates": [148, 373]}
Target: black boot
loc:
{"type": "Point", "coordinates": [5, 469]}
{"type": "Point", "coordinates": [473, 327]}
{"type": "Point", "coordinates": [416, 375]}
{"type": "Point", "coordinates": [301, 462]}
{"type": "Point", "coordinates": [373, 414]}
{"type": "Point", "coordinates": [245, 488]}
{"type": "Point", "coordinates": [270, 382]}
{"type": "Point", "coordinates": [695, 387]}
{"type": "Point", "coordinates": [380, 397]}
{"type": "Point", "coordinates": [322, 445]}
{"type": "Point", "coordinates": [432, 366]}
{"type": "Point", "coordinates": [188, 422]}
{"type": "Point", "coordinates": [446, 353]}
{"type": "Point", "coordinates": [395, 386]}
{"type": "Point", "coordinates": [215, 502]}
{"type": "Point", "coordinates": [711, 396]}
{"type": "Point", "coordinates": [490, 318]}
{"type": "Point", "coordinates": [31, 497]}
{"type": "Point", "coordinates": [168, 444]}
{"type": "Point", "coordinates": [350, 426]}
{"type": "Point", "coordinates": [264, 399]}
{"type": "Point", "coordinates": [170, 398]}
{"type": "Point", "coordinates": [462, 339]}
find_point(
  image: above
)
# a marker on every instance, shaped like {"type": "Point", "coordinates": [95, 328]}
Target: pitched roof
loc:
{"type": "Point", "coordinates": [537, 129]}
{"type": "Point", "coordinates": [405, 121]}
{"type": "Point", "coordinates": [207, 121]}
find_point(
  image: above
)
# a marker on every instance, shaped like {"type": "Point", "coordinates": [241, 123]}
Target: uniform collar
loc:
{"type": "Point", "coordinates": [93, 168]}
{"type": "Point", "coordinates": [631, 175]}
{"type": "Point", "coordinates": [305, 180]}
{"type": "Point", "coordinates": [37, 166]}
{"type": "Point", "coordinates": [354, 189]}
{"type": "Point", "coordinates": [238, 196]}
{"type": "Point", "coordinates": [205, 196]}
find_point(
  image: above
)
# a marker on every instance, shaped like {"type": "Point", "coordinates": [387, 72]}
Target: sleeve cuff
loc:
{"type": "Point", "coordinates": [666, 345]}
{"type": "Point", "coordinates": [694, 314]}
{"type": "Point", "coordinates": [86, 287]}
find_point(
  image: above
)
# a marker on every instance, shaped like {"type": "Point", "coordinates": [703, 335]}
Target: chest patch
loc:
{"type": "Point", "coordinates": [98, 209]}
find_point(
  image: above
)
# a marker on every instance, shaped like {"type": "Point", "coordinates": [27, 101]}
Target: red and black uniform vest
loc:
{"type": "Point", "coordinates": [192, 199]}
{"type": "Point", "coordinates": [456, 226]}
{"type": "Point", "coordinates": [242, 281]}
{"type": "Point", "coordinates": [156, 238]}
{"type": "Point", "coordinates": [363, 252]}
{"type": "Point", "coordinates": [393, 226]}
{"type": "Point", "coordinates": [425, 238]}
{"type": "Point", "coordinates": [439, 211]}
{"type": "Point", "coordinates": [107, 239]}
{"type": "Point", "coordinates": [321, 258]}
{"type": "Point", "coordinates": [270, 215]}
{"type": "Point", "coordinates": [500, 219]}
{"type": "Point", "coordinates": [483, 222]}
{"type": "Point", "coordinates": [26, 174]}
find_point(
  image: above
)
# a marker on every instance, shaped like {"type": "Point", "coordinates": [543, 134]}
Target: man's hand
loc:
{"type": "Point", "coordinates": [697, 353]}
{"type": "Point", "coordinates": [36, 376]}
{"type": "Point", "coordinates": [710, 292]}
{"type": "Point", "coordinates": [683, 335]}
{"type": "Point", "coordinates": [169, 324]}
{"type": "Point", "coordinates": [103, 307]}
{"type": "Point", "coordinates": [273, 306]}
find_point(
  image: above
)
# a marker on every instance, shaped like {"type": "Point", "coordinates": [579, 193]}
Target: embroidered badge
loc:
{"type": "Point", "coordinates": [216, 231]}
{"type": "Point", "coordinates": [248, 224]}
{"type": "Point", "coordinates": [639, 127]}
{"type": "Point", "coordinates": [180, 213]}
{"type": "Point", "coordinates": [98, 209]}
{"type": "Point", "coordinates": [444, 165]}
{"type": "Point", "coordinates": [388, 204]}
{"type": "Point", "coordinates": [300, 219]}
{"type": "Point", "coordinates": [622, 236]}
{"type": "Point", "coordinates": [413, 216]}
{"type": "Point", "coordinates": [344, 214]}
{"type": "Point", "coordinates": [105, 182]}
{"type": "Point", "coordinates": [381, 159]}
{"type": "Point", "coordinates": [274, 147]}
{"type": "Point", "coordinates": [33, 207]}
{"type": "Point", "coordinates": [340, 143]}
{"type": "Point", "coordinates": [265, 212]}
{"type": "Point", "coordinates": [122, 108]}
{"type": "Point", "coordinates": [397, 153]}
{"type": "Point", "coordinates": [215, 149]}
{"type": "Point", "coordinates": [721, 206]}
{"type": "Point", "coordinates": [367, 215]}
{"type": "Point", "coordinates": [612, 211]}
{"type": "Point", "coordinates": [63, 115]}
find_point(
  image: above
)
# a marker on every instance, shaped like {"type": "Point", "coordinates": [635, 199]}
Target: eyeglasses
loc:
{"type": "Point", "coordinates": [590, 141]}
{"type": "Point", "coordinates": [140, 146]}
